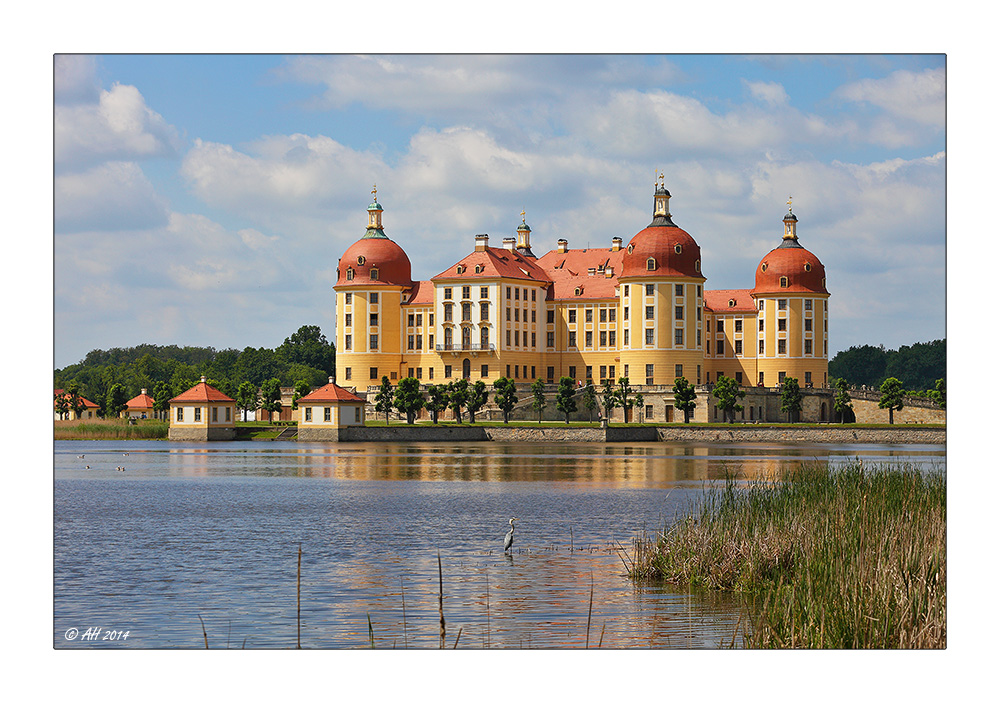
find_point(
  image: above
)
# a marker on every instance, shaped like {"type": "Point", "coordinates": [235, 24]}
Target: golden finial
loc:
{"type": "Point", "coordinates": [656, 174]}
{"type": "Point", "coordinates": [789, 203]}
{"type": "Point", "coordinates": [522, 218]}
{"type": "Point", "coordinates": [374, 194]}
{"type": "Point", "coordinates": [661, 178]}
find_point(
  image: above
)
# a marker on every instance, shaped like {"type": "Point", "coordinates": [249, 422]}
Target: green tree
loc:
{"type": "Point", "coordinates": [437, 401]}
{"type": "Point", "coordinates": [938, 394]}
{"type": "Point", "coordinates": [257, 365]}
{"type": "Point", "coordinates": [116, 400]}
{"type": "Point", "coordinates": [609, 398]}
{"type": "Point", "coordinates": [892, 395]}
{"type": "Point", "coordinates": [302, 389]}
{"type": "Point", "coordinates": [538, 396]}
{"type": "Point", "coordinates": [458, 396]}
{"type": "Point", "coordinates": [161, 398]}
{"type": "Point", "coordinates": [384, 398]}
{"type": "Point", "coordinates": [478, 397]}
{"type": "Point", "coordinates": [841, 399]}
{"type": "Point", "coordinates": [270, 400]}
{"type": "Point", "coordinates": [589, 399]}
{"type": "Point", "coordinates": [408, 398]}
{"type": "Point", "coordinates": [638, 402]}
{"type": "Point", "coordinates": [247, 398]}
{"type": "Point", "coordinates": [308, 346]}
{"type": "Point", "coordinates": [565, 400]}
{"type": "Point", "coordinates": [505, 395]}
{"type": "Point", "coordinates": [791, 398]}
{"type": "Point", "coordinates": [622, 397]}
{"type": "Point", "coordinates": [684, 397]}
{"type": "Point", "coordinates": [62, 405]}
{"type": "Point", "coordinates": [729, 395]}
{"type": "Point", "coordinates": [75, 398]}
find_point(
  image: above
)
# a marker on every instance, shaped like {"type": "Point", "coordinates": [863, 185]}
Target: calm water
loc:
{"type": "Point", "coordinates": [193, 529]}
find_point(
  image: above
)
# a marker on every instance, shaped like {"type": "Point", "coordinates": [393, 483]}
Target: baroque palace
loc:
{"type": "Point", "coordinates": [638, 309]}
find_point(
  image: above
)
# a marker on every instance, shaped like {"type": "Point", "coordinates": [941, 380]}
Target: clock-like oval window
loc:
{"type": "Point", "coordinates": [763, 267]}
{"type": "Point", "coordinates": [808, 267]}
{"type": "Point", "coordinates": [631, 247]}
{"type": "Point", "coordinates": [361, 261]}
{"type": "Point", "coordinates": [677, 249]}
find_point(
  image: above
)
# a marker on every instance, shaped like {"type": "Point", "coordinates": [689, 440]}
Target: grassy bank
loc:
{"type": "Point", "coordinates": [852, 558]}
{"type": "Point", "coordinates": [110, 429]}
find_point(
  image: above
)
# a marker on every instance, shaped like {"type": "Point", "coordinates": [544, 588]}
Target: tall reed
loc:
{"type": "Point", "coordinates": [110, 429]}
{"type": "Point", "coordinates": [853, 557]}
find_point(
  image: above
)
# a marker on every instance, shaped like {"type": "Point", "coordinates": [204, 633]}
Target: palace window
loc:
{"type": "Point", "coordinates": [550, 339]}
{"type": "Point", "coordinates": [604, 338]}
{"type": "Point", "coordinates": [447, 293]}
{"type": "Point", "coordinates": [572, 339]}
{"type": "Point", "coordinates": [350, 274]}
{"type": "Point", "coordinates": [484, 292]}
{"type": "Point", "coordinates": [649, 312]}
{"type": "Point", "coordinates": [808, 304]}
{"type": "Point", "coordinates": [484, 338]}
{"type": "Point", "coordinates": [373, 320]}
{"type": "Point", "coordinates": [679, 337]}
{"type": "Point", "coordinates": [612, 314]}
{"type": "Point", "coordinates": [374, 274]}
{"type": "Point", "coordinates": [550, 373]}
{"type": "Point", "coordinates": [611, 338]}
{"type": "Point", "coordinates": [347, 342]}
{"type": "Point", "coordinates": [649, 374]}
{"type": "Point", "coordinates": [809, 346]}
{"type": "Point", "coordinates": [373, 342]}
{"type": "Point", "coordinates": [309, 414]}
{"type": "Point", "coordinates": [447, 371]}
{"type": "Point", "coordinates": [650, 264]}
{"type": "Point", "coordinates": [720, 326]}
{"type": "Point", "coordinates": [409, 320]}
{"type": "Point", "coordinates": [679, 312]}
{"type": "Point", "coordinates": [650, 289]}
{"type": "Point", "coordinates": [550, 316]}
{"type": "Point", "coordinates": [572, 315]}
{"type": "Point", "coordinates": [783, 281]}
{"type": "Point", "coordinates": [649, 336]}
{"type": "Point", "coordinates": [347, 298]}
{"type": "Point", "coordinates": [782, 304]}
{"type": "Point", "coordinates": [589, 314]}
{"type": "Point", "coordinates": [466, 312]}
{"type": "Point", "coordinates": [738, 347]}
{"type": "Point", "coordinates": [809, 324]}
{"type": "Point", "coordinates": [180, 414]}
{"type": "Point", "coordinates": [347, 373]}
{"type": "Point", "coordinates": [781, 346]}
{"type": "Point", "coordinates": [409, 342]}
{"type": "Point", "coordinates": [590, 339]}
{"type": "Point", "coordinates": [720, 347]}
{"type": "Point", "coordinates": [373, 373]}
{"type": "Point", "coordinates": [782, 324]}
{"type": "Point", "coordinates": [760, 347]}
{"type": "Point", "coordinates": [465, 291]}
{"type": "Point", "coordinates": [739, 325]}
{"type": "Point", "coordinates": [326, 414]}
{"type": "Point", "coordinates": [678, 370]}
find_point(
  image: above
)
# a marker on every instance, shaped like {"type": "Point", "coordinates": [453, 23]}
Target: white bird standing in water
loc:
{"type": "Point", "coordinates": [508, 541]}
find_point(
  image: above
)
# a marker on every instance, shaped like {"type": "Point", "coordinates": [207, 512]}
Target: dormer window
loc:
{"type": "Point", "coordinates": [677, 249]}
{"type": "Point", "coordinates": [631, 248]}
{"type": "Point", "coordinates": [479, 268]}
{"type": "Point", "coordinates": [651, 264]}
{"type": "Point", "coordinates": [808, 267]}
{"type": "Point", "coordinates": [697, 265]}
{"type": "Point", "coordinates": [460, 269]}
{"type": "Point", "coordinates": [350, 274]}
{"type": "Point", "coordinates": [763, 267]}
{"type": "Point", "coordinates": [374, 274]}
{"type": "Point", "coordinates": [784, 281]}
{"type": "Point", "coordinates": [732, 302]}
{"type": "Point", "coordinates": [577, 291]}
{"type": "Point", "coordinates": [361, 261]}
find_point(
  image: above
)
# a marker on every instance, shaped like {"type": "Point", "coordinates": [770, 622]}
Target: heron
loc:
{"type": "Point", "coordinates": [508, 541]}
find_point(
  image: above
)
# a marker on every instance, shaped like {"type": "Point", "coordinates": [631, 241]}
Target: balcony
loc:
{"type": "Point", "coordinates": [456, 349]}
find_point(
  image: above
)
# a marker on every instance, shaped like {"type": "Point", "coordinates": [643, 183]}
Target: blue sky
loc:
{"type": "Point", "coordinates": [205, 200]}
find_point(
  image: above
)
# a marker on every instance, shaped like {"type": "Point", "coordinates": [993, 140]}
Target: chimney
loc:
{"type": "Point", "coordinates": [508, 243]}
{"type": "Point", "coordinates": [482, 241]}
{"type": "Point", "coordinates": [202, 379]}
{"type": "Point", "coordinates": [562, 246]}
{"type": "Point", "coordinates": [143, 391]}
{"type": "Point", "coordinates": [609, 272]}
{"type": "Point", "coordinates": [330, 380]}
{"type": "Point", "coordinates": [616, 243]}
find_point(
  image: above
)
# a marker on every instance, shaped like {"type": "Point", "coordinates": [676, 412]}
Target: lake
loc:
{"type": "Point", "coordinates": [213, 530]}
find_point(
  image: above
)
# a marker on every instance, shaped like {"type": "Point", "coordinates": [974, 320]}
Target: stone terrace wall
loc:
{"type": "Point", "coordinates": [639, 433]}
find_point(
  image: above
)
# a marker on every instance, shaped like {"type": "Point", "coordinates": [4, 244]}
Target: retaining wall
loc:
{"type": "Point", "coordinates": [640, 433]}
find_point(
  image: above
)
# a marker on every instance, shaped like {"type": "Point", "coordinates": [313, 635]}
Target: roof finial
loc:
{"type": "Point", "coordinates": [789, 203]}
{"type": "Point", "coordinates": [661, 178]}
{"type": "Point", "coordinates": [374, 194]}
{"type": "Point", "coordinates": [522, 218]}
{"type": "Point", "coordinates": [656, 174]}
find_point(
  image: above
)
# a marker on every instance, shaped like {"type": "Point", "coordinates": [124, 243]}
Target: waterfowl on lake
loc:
{"type": "Point", "coordinates": [508, 541]}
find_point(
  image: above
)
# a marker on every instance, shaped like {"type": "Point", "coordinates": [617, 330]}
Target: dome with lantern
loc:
{"type": "Point", "coordinates": [374, 259]}
{"type": "Point", "coordinates": [790, 267]}
{"type": "Point", "coordinates": [662, 248]}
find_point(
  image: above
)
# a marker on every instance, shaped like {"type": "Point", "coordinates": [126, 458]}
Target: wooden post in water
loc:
{"type": "Point", "coordinates": [298, 603]}
{"type": "Point", "coordinates": [441, 599]}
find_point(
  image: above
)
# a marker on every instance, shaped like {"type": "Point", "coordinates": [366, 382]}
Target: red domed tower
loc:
{"type": "Point", "coordinates": [660, 294]}
{"type": "Point", "coordinates": [373, 277]}
{"type": "Point", "coordinates": [792, 302]}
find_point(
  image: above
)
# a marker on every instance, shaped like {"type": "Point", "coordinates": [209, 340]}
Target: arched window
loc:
{"type": "Point", "coordinates": [484, 338]}
{"type": "Point", "coordinates": [479, 268]}
{"type": "Point", "coordinates": [732, 302]}
{"type": "Point", "coordinates": [577, 291]}
{"type": "Point", "coordinates": [697, 265]}
{"type": "Point", "coordinates": [350, 274]}
{"type": "Point", "coordinates": [784, 281]}
{"type": "Point", "coordinates": [374, 274]}
{"type": "Point", "coordinates": [651, 264]}
{"type": "Point", "coordinates": [460, 269]}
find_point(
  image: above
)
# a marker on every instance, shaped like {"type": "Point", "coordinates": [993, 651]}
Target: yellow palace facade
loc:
{"type": "Point", "coordinates": [639, 310]}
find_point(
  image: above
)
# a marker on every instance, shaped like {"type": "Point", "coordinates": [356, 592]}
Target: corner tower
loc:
{"type": "Point", "coordinates": [372, 277]}
{"type": "Point", "coordinates": [792, 312]}
{"type": "Point", "coordinates": [660, 295]}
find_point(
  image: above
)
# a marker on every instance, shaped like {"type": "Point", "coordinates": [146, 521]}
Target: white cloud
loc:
{"type": "Point", "coordinates": [74, 79]}
{"type": "Point", "coordinates": [112, 196]}
{"type": "Point", "coordinates": [770, 93]}
{"type": "Point", "coordinates": [118, 127]}
{"type": "Point", "coordinates": [906, 95]}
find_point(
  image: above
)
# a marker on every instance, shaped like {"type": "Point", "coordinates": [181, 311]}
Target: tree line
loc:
{"type": "Point", "coordinates": [110, 378]}
{"type": "Point", "coordinates": [917, 367]}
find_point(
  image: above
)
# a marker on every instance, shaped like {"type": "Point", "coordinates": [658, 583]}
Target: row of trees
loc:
{"type": "Point", "coordinates": [304, 357]}
{"type": "Point", "coordinates": [916, 367]}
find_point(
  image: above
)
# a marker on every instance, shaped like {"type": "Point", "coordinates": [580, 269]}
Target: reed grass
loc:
{"type": "Point", "coordinates": [853, 557]}
{"type": "Point", "coordinates": [110, 429]}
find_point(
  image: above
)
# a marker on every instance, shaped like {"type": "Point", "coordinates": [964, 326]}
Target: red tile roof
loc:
{"type": "Point", "coordinates": [422, 293]}
{"type": "Point", "coordinates": [143, 401]}
{"type": "Point", "coordinates": [202, 392]}
{"type": "Point", "coordinates": [717, 301]}
{"type": "Point", "coordinates": [330, 392]}
{"type": "Point", "coordinates": [571, 270]}
{"type": "Point", "coordinates": [495, 262]}
{"type": "Point", "coordinates": [86, 403]}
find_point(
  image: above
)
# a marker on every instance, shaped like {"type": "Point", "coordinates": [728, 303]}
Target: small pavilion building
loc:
{"type": "Point", "coordinates": [88, 409]}
{"type": "Point", "coordinates": [326, 410]}
{"type": "Point", "coordinates": [202, 413]}
{"type": "Point", "coordinates": [141, 407]}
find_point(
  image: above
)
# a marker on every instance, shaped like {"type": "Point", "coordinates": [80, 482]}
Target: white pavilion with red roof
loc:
{"type": "Point", "coordinates": [326, 410]}
{"type": "Point", "coordinates": [202, 413]}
